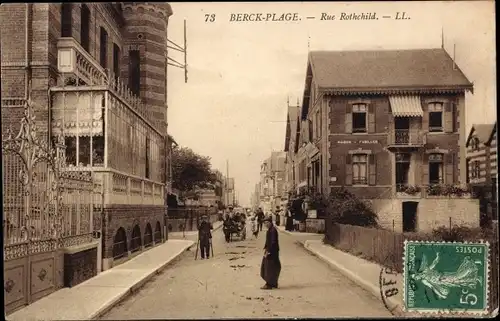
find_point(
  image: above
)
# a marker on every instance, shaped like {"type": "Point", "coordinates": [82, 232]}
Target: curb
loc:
{"type": "Point", "coordinates": [374, 290]}
{"type": "Point", "coordinates": [134, 288]}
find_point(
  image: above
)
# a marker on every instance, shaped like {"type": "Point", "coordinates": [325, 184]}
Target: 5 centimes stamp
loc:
{"type": "Point", "coordinates": [446, 278]}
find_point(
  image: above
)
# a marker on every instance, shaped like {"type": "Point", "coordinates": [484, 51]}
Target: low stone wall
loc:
{"type": "Point", "coordinates": [80, 264]}
{"type": "Point", "coordinates": [190, 224]}
{"type": "Point", "coordinates": [315, 225]}
{"type": "Point", "coordinates": [431, 212]}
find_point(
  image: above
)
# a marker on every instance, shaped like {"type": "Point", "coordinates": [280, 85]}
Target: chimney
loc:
{"type": "Point", "coordinates": [454, 64]}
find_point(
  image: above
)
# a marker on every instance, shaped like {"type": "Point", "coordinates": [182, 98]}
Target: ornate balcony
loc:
{"type": "Point", "coordinates": [406, 138]}
{"type": "Point", "coordinates": [73, 59]}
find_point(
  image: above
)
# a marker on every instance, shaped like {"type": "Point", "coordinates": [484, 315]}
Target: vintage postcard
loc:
{"type": "Point", "coordinates": [194, 160]}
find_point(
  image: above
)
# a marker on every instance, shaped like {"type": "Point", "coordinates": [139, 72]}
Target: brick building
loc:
{"type": "Point", "coordinates": [98, 77]}
{"type": "Point", "coordinates": [481, 147]}
{"type": "Point", "coordinates": [387, 125]}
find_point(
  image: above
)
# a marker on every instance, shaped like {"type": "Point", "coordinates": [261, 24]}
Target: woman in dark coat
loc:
{"type": "Point", "coordinates": [271, 266]}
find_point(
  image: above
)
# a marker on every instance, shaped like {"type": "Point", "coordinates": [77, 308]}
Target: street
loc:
{"type": "Point", "coordinates": [229, 286]}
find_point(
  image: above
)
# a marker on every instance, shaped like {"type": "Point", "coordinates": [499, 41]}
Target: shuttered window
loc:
{"type": "Point", "coordinates": [103, 48]}
{"type": "Point", "coordinates": [359, 118]}
{"type": "Point", "coordinates": [450, 168]}
{"type": "Point", "coordinates": [134, 73]}
{"type": "Point", "coordinates": [85, 27]}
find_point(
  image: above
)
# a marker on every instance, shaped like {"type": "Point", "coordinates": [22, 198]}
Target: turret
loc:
{"type": "Point", "coordinates": [144, 58]}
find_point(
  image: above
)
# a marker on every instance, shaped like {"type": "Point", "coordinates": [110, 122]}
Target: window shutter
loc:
{"type": "Point", "coordinates": [348, 119]}
{"type": "Point", "coordinates": [425, 118]}
{"type": "Point", "coordinates": [348, 170]}
{"type": "Point", "coordinates": [449, 167]}
{"type": "Point", "coordinates": [425, 170]}
{"type": "Point", "coordinates": [448, 118]}
{"type": "Point", "coordinates": [371, 118]}
{"type": "Point", "coordinates": [372, 170]}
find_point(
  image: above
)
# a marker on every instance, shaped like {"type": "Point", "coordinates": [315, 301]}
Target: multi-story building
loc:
{"type": "Point", "coordinates": [387, 125]}
{"type": "Point", "coordinates": [272, 182]}
{"type": "Point", "coordinates": [482, 174]}
{"type": "Point", "coordinates": [97, 72]}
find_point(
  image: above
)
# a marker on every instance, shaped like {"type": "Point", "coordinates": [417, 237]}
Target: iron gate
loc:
{"type": "Point", "coordinates": [46, 209]}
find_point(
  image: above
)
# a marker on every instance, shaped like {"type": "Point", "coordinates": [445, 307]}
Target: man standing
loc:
{"type": "Point", "coordinates": [277, 213]}
{"type": "Point", "coordinates": [271, 266]}
{"type": "Point", "coordinates": [260, 219]}
{"type": "Point", "coordinates": [204, 236]}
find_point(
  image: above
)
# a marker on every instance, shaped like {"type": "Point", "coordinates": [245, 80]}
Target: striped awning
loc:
{"type": "Point", "coordinates": [406, 106]}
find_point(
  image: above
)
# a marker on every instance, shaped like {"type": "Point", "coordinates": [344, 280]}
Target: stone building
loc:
{"type": "Point", "coordinates": [482, 172]}
{"type": "Point", "coordinates": [387, 125]}
{"type": "Point", "coordinates": [98, 77]}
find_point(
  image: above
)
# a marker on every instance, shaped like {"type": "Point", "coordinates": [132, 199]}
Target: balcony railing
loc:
{"type": "Point", "coordinates": [406, 137]}
{"type": "Point", "coordinates": [79, 68]}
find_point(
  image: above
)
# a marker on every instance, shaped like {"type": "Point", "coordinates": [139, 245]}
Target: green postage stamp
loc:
{"type": "Point", "coordinates": [443, 277]}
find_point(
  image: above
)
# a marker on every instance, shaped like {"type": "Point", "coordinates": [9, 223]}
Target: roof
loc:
{"type": "Point", "coordinates": [415, 68]}
{"type": "Point", "coordinates": [172, 140]}
{"type": "Point", "coordinates": [483, 132]}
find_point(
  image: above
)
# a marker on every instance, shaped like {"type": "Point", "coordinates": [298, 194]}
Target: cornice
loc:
{"type": "Point", "coordinates": [396, 90]}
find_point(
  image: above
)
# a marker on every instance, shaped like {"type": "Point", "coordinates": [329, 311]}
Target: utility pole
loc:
{"type": "Point", "coordinates": [227, 183]}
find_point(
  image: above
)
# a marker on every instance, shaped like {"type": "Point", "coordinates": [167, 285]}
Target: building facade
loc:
{"type": "Point", "coordinates": [97, 73]}
{"type": "Point", "coordinates": [272, 182]}
{"type": "Point", "coordinates": [482, 172]}
{"type": "Point", "coordinates": [388, 132]}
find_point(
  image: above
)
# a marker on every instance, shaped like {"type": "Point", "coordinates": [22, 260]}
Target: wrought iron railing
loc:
{"type": "Point", "coordinates": [406, 137]}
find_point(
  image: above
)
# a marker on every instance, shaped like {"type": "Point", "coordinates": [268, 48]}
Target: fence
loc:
{"type": "Point", "coordinates": [386, 248]}
{"type": "Point", "coordinates": [188, 218]}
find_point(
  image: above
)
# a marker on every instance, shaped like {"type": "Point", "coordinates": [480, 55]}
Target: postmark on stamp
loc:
{"type": "Point", "coordinates": [446, 278]}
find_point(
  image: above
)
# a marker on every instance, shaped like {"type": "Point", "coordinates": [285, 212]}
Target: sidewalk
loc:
{"type": "Point", "coordinates": [180, 235]}
{"type": "Point", "coordinates": [364, 273]}
{"type": "Point", "coordinates": [97, 295]}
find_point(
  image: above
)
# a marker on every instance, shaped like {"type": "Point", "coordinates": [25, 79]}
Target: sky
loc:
{"type": "Point", "coordinates": [241, 74]}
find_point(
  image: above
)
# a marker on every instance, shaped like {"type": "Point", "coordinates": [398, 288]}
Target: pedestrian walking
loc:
{"type": "Point", "coordinates": [271, 266]}
{"type": "Point", "coordinates": [260, 218]}
{"type": "Point", "coordinates": [255, 230]}
{"type": "Point", "coordinates": [289, 221]}
{"type": "Point", "coordinates": [277, 213]}
{"type": "Point", "coordinates": [205, 236]}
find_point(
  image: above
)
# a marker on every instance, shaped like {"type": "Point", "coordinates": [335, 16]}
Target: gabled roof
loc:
{"type": "Point", "coordinates": [415, 68]}
{"type": "Point", "coordinates": [493, 131]}
{"type": "Point", "coordinates": [291, 126]}
{"type": "Point", "coordinates": [484, 132]}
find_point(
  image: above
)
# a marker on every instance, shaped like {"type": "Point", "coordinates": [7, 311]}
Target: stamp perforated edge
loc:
{"type": "Point", "coordinates": [483, 312]}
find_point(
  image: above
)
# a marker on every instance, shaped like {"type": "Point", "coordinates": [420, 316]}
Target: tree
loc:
{"type": "Point", "coordinates": [345, 208]}
{"type": "Point", "coordinates": [190, 171]}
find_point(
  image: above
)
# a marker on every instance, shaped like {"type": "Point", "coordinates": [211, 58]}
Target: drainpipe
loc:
{"type": "Point", "coordinates": [26, 56]}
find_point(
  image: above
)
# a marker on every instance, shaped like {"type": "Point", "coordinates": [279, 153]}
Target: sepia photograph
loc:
{"type": "Point", "coordinates": [249, 160]}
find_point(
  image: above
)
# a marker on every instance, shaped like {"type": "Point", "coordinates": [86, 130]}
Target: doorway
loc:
{"type": "Point", "coordinates": [402, 130]}
{"type": "Point", "coordinates": [410, 216]}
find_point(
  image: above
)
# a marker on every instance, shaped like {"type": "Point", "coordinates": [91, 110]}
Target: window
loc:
{"type": "Point", "coordinates": [134, 73]}
{"type": "Point", "coordinates": [436, 169]}
{"type": "Point", "coordinates": [66, 19]}
{"type": "Point", "coordinates": [103, 48]}
{"type": "Point", "coordinates": [435, 117]}
{"type": "Point", "coordinates": [70, 143]}
{"type": "Point", "coordinates": [359, 169]}
{"type": "Point", "coordinates": [476, 170]}
{"type": "Point", "coordinates": [83, 150]}
{"type": "Point", "coordinates": [85, 27]}
{"type": "Point", "coordinates": [475, 143]}
{"type": "Point", "coordinates": [359, 113]}
{"type": "Point", "coordinates": [402, 170]}
{"type": "Point", "coordinates": [116, 60]}
{"type": "Point", "coordinates": [98, 151]}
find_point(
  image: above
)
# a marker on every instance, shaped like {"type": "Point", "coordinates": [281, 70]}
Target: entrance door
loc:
{"type": "Point", "coordinates": [410, 216]}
